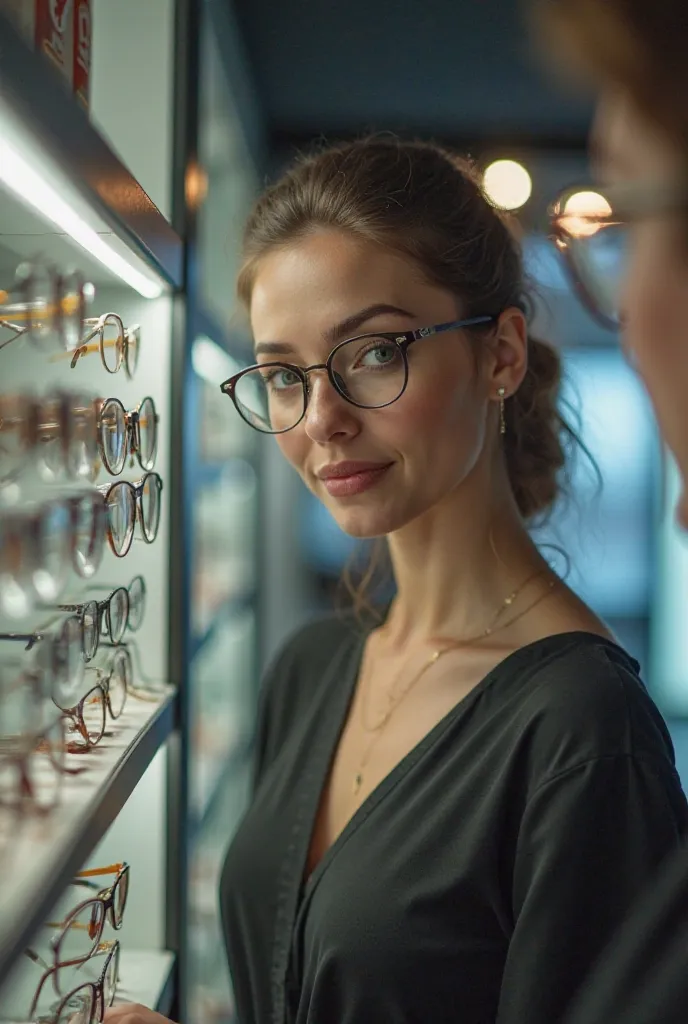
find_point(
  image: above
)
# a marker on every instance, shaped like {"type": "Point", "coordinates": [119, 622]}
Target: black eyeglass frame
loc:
{"type": "Point", "coordinates": [132, 434]}
{"type": "Point", "coordinates": [400, 339]}
{"type": "Point", "coordinates": [136, 490]}
{"type": "Point", "coordinates": [96, 989]}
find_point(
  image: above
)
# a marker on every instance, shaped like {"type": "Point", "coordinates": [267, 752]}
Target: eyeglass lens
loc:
{"type": "Point", "coordinates": [137, 602]}
{"type": "Point", "coordinates": [112, 343]}
{"type": "Point", "coordinates": [369, 372]}
{"type": "Point", "coordinates": [113, 435]}
{"type": "Point", "coordinates": [600, 260]}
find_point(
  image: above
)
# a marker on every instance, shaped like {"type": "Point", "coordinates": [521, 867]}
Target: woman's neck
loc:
{"type": "Point", "coordinates": [455, 566]}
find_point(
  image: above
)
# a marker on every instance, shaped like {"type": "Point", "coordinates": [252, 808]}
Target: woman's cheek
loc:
{"type": "Point", "coordinates": [294, 448]}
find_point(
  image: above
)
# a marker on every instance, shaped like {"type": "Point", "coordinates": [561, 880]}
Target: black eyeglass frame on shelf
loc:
{"type": "Point", "coordinates": [95, 990]}
{"type": "Point", "coordinates": [400, 339]}
{"type": "Point", "coordinates": [135, 510]}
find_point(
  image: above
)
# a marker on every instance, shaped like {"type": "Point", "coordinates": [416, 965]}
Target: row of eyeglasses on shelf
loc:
{"type": "Point", "coordinates": [43, 540]}
{"type": "Point", "coordinates": [79, 971]}
{"type": "Point", "coordinates": [47, 306]}
{"type": "Point", "coordinates": [57, 695]}
{"type": "Point", "coordinates": [65, 438]}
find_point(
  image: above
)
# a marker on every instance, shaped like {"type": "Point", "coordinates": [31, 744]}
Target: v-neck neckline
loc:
{"type": "Point", "coordinates": [297, 888]}
{"type": "Point", "coordinates": [328, 751]}
{"type": "Point", "coordinates": [388, 781]}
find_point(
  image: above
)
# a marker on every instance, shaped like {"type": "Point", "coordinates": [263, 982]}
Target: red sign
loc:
{"type": "Point", "coordinates": [82, 50]}
{"type": "Point", "coordinates": [53, 32]}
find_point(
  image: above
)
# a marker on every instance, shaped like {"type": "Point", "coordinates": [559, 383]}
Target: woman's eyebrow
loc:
{"type": "Point", "coordinates": [344, 329]}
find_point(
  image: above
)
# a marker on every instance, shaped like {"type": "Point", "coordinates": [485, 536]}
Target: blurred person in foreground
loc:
{"type": "Point", "coordinates": [456, 801]}
{"type": "Point", "coordinates": [627, 246]}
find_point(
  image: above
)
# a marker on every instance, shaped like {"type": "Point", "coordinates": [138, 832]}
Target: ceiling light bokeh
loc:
{"type": "Point", "coordinates": [507, 184]}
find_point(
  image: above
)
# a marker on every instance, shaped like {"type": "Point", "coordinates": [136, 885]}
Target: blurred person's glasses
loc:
{"type": "Point", "coordinates": [116, 343]}
{"type": "Point", "coordinates": [369, 371]}
{"type": "Point", "coordinates": [86, 1003]}
{"type": "Point", "coordinates": [128, 502]}
{"type": "Point", "coordinates": [122, 434]}
{"type": "Point", "coordinates": [590, 227]}
{"type": "Point", "coordinates": [60, 431]}
{"type": "Point", "coordinates": [39, 545]}
{"type": "Point", "coordinates": [43, 304]}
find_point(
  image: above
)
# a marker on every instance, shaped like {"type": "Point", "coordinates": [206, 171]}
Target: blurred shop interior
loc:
{"type": "Point", "coordinates": [154, 551]}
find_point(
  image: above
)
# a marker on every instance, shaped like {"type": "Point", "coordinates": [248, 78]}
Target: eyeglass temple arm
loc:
{"type": "Point", "coordinates": [37, 959]}
{"type": "Point", "coordinates": [452, 325]}
{"type": "Point", "coordinates": [12, 327]}
{"type": "Point", "coordinates": [30, 638]}
{"type": "Point", "coordinates": [111, 869]}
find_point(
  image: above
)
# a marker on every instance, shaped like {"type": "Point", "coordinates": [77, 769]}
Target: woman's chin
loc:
{"type": "Point", "coordinates": [365, 524]}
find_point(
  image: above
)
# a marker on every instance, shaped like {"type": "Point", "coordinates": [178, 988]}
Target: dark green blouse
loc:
{"type": "Point", "coordinates": [482, 878]}
{"type": "Point", "coordinates": [642, 978]}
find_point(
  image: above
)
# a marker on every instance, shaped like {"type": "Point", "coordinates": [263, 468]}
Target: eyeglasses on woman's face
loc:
{"type": "Point", "coordinates": [369, 371]}
{"type": "Point", "coordinates": [590, 227]}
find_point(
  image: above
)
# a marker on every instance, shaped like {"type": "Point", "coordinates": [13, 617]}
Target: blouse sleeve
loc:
{"type": "Point", "coordinates": [589, 840]}
{"type": "Point", "coordinates": [643, 974]}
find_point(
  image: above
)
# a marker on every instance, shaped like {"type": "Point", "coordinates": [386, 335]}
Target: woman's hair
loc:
{"type": "Point", "coordinates": [426, 203]}
{"type": "Point", "coordinates": [639, 45]}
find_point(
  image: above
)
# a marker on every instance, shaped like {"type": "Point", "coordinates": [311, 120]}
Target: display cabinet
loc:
{"type": "Point", "coordinates": [130, 510]}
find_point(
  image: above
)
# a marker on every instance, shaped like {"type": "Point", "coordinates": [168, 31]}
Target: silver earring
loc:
{"type": "Point", "coordinates": [502, 421]}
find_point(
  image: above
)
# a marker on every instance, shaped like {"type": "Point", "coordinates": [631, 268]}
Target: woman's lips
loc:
{"type": "Point", "coordinates": [354, 483]}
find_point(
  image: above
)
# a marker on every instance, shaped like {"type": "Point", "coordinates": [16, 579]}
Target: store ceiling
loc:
{"type": "Point", "coordinates": [462, 71]}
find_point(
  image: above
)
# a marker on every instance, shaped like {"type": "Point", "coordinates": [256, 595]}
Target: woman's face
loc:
{"type": "Point", "coordinates": [409, 456]}
{"type": "Point", "coordinates": [654, 301]}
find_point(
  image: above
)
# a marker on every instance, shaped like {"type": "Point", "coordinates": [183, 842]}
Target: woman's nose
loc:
{"type": "Point", "coordinates": [327, 412]}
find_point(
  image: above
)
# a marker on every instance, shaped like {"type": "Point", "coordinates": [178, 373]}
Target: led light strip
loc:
{"type": "Point", "coordinates": [17, 174]}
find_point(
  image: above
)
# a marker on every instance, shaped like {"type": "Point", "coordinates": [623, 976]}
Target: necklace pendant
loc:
{"type": "Point", "coordinates": [358, 782]}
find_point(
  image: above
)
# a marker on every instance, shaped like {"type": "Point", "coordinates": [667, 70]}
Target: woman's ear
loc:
{"type": "Point", "coordinates": [509, 350]}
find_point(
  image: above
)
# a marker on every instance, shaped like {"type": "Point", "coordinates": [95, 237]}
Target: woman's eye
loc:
{"type": "Point", "coordinates": [281, 379]}
{"type": "Point", "coordinates": [380, 355]}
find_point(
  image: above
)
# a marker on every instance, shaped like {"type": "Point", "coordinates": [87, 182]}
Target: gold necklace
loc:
{"type": "Point", "coordinates": [432, 660]}
{"type": "Point", "coordinates": [506, 603]}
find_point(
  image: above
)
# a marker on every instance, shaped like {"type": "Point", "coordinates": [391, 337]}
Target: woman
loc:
{"type": "Point", "coordinates": [453, 807]}
{"type": "Point", "coordinates": [636, 53]}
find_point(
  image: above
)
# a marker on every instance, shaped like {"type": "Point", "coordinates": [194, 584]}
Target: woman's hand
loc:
{"type": "Point", "coordinates": [133, 1013]}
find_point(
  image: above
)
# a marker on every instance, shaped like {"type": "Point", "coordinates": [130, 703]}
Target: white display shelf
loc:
{"type": "Point", "coordinates": [145, 977]}
{"type": "Point", "coordinates": [40, 855]}
{"type": "Point", "coordinates": [57, 139]}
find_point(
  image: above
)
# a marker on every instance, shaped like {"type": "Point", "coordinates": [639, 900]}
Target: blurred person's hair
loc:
{"type": "Point", "coordinates": [426, 203]}
{"type": "Point", "coordinates": [639, 45]}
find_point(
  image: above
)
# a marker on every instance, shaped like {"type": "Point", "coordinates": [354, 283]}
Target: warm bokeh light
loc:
{"type": "Point", "coordinates": [196, 185]}
{"type": "Point", "coordinates": [581, 212]}
{"type": "Point", "coordinates": [507, 184]}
